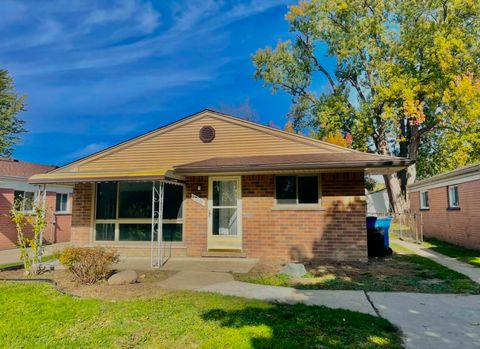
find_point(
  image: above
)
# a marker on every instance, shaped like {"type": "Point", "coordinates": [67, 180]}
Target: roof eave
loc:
{"type": "Point", "coordinates": [271, 167]}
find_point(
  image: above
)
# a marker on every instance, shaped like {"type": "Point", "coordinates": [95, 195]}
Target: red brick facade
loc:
{"type": "Point", "coordinates": [57, 230]}
{"type": "Point", "coordinates": [336, 231]}
{"type": "Point", "coordinates": [461, 227]}
{"type": "Point", "coordinates": [82, 214]}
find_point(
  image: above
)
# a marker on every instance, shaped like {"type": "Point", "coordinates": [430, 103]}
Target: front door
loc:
{"type": "Point", "coordinates": [224, 213]}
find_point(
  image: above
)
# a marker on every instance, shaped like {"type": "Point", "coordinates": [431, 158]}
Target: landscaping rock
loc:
{"type": "Point", "coordinates": [294, 270]}
{"type": "Point", "coordinates": [123, 278]}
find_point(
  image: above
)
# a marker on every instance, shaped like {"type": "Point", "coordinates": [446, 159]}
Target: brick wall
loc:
{"type": "Point", "coordinates": [337, 231]}
{"type": "Point", "coordinates": [57, 230]}
{"type": "Point", "coordinates": [196, 215]}
{"type": "Point", "coordinates": [81, 213]}
{"type": "Point", "coordinates": [461, 227]}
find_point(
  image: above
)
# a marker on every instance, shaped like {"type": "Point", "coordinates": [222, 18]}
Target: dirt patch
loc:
{"type": "Point", "coordinates": [401, 272]}
{"type": "Point", "coordinates": [146, 287]}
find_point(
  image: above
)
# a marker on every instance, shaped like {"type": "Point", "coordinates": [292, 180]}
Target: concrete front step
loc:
{"type": "Point", "coordinates": [224, 253]}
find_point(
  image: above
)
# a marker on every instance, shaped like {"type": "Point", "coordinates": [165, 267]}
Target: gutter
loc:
{"type": "Point", "coordinates": [266, 167]}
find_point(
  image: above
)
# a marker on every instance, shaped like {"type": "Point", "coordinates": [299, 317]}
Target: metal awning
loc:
{"type": "Point", "coordinates": [102, 176]}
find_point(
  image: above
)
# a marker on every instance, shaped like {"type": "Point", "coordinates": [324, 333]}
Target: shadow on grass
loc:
{"type": "Point", "coordinates": [301, 326]}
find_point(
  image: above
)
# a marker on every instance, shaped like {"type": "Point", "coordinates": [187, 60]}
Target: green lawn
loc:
{"type": "Point", "coordinates": [403, 272]}
{"type": "Point", "coordinates": [461, 253]}
{"type": "Point", "coordinates": [35, 315]}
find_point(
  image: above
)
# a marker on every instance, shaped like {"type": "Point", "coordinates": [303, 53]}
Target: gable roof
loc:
{"type": "Point", "coordinates": [17, 169]}
{"type": "Point", "coordinates": [161, 150]}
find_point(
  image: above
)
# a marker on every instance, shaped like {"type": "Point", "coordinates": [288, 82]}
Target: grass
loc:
{"type": "Point", "coordinates": [402, 272]}
{"type": "Point", "coordinates": [35, 315]}
{"type": "Point", "coordinates": [20, 264]}
{"type": "Point", "coordinates": [460, 253]}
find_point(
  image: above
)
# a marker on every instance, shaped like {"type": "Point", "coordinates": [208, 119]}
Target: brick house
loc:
{"type": "Point", "coordinates": [14, 184]}
{"type": "Point", "coordinates": [214, 185]}
{"type": "Point", "coordinates": [450, 205]}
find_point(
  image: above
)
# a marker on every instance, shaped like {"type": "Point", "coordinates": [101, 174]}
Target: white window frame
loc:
{"type": "Point", "coordinates": [67, 208]}
{"type": "Point", "coordinates": [296, 203]}
{"type": "Point", "coordinates": [422, 200]}
{"type": "Point", "coordinates": [117, 221]}
{"type": "Point", "coordinates": [23, 199]}
{"type": "Point", "coordinates": [450, 197]}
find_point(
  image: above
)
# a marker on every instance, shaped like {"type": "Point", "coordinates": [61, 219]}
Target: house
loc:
{"type": "Point", "coordinates": [450, 205]}
{"type": "Point", "coordinates": [14, 184]}
{"type": "Point", "coordinates": [215, 185]}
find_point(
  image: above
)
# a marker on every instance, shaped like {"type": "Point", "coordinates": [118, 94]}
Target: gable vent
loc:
{"type": "Point", "coordinates": [207, 134]}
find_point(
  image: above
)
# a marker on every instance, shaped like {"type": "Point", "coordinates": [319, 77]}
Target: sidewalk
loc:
{"type": "Point", "coordinates": [449, 262]}
{"type": "Point", "coordinates": [436, 321]}
{"type": "Point", "coordinates": [13, 255]}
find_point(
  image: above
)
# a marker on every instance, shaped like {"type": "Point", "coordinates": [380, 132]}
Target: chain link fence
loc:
{"type": "Point", "coordinates": [407, 226]}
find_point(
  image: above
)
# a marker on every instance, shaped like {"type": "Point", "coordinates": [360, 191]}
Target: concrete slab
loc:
{"type": "Point", "coordinates": [440, 321]}
{"type": "Point", "coordinates": [13, 255]}
{"type": "Point", "coordinates": [191, 280]}
{"type": "Point", "coordinates": [222, 265]}
{"type": "Point", "coordinates": [349, 300]}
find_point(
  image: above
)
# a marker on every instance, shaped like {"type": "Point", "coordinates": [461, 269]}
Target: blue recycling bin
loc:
{"type": "Point", "coordinates": [384, 223]}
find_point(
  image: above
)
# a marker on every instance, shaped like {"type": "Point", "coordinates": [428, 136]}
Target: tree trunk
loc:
{"type": "Point", "coordinates": [397, 183]}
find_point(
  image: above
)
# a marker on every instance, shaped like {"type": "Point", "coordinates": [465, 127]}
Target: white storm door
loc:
{"type": "Point", "coordinates": [224, 213]}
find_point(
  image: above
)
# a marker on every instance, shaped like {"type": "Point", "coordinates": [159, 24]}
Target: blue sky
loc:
{"type": "Point", "coordinates": [98, 72]}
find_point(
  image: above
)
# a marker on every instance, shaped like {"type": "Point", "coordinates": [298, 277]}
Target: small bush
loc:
{"type": "Point", "coordinates": [88, 264]}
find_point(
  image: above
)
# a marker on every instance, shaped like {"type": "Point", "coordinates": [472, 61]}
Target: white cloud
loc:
{"type": "Point", "coordinates": [87, 150]}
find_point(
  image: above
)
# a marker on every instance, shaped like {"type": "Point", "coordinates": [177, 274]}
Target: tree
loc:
{"type": "Point", "coordinates": [243, 110]}
{"type": "Point", "coordinates": [31, 248]}
{"type": "Point", "coordinates": [11, 104]}
{"type": "Point", "coordinates": [406, 73]}
{"type": "Point", "coordinates": [338, 139]}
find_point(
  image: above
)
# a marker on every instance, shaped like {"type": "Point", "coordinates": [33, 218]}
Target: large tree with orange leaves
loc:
{"type": "Point", "coordinates": [406, 80]}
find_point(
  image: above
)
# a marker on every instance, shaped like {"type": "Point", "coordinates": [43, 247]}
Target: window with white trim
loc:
{"type": "Point", "coordinates": [453, 199]}
{"type": "Point", "coordinates": [26, 200]}
{"type": "Point", "coordinates": [124, 211]}
{"type": "Point", "coordinates": [61, 203]}
{"type": "Point", "coordinates": [297, 190]}
{"type": "Point", "coordinates": [424, 204]}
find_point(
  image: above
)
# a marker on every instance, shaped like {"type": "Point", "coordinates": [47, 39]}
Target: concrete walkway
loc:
{"type": "Point", "coordinates": [439, 321]}
{"type": "Point", "coordinates": [449, 262]}
{"type": "Point", "coordinates": [13, 255]}
{"type": "Point", "coordinates": [349, 300]}
{"type": "Point", "coordinates": [428, 321]}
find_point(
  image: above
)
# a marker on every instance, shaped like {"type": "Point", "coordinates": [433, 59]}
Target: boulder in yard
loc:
{"type": "Point", "coordinates": [123, 278]}
{"type": "Point", "coordinates": [294, 270]}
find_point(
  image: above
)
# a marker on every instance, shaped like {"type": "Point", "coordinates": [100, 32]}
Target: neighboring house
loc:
{"type": "Point", "coordinates": [450, 205]}
{"type": "Point", "coordinates": [378, 202]}
{"type": "Point", "coordinates": [228, 187]}
{"type": "Point", "coordinates": [14, 184]}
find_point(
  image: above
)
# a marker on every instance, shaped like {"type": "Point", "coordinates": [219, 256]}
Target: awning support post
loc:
{"type": "Point", "coordinates": [157, 258]}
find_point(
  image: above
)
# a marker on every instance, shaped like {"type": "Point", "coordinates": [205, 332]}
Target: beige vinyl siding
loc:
{"type": "Point", "coordinates": [180, 143]}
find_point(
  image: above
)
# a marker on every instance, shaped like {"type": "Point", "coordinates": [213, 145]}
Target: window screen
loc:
{"type": "Point", "coordinates": [61, 204]}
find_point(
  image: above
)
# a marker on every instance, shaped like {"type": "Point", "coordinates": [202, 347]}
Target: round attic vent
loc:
{"type": "Point", "coordinates": [207, 134]}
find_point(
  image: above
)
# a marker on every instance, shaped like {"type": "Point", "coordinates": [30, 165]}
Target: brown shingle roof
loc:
{"type": "Point", "coordinates": [21, 169]}
{"type": "Point", "coordinates": [297, 161]}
